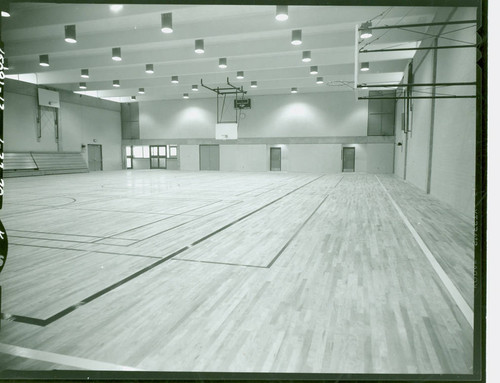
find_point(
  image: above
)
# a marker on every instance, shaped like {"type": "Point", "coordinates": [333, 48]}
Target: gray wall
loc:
{"type": "Point", "coordinates": [441, 145]}
{"type": "Point", "coordinates": [81, 121]}
{"type": "Point", "coordinates": [310, 129]}
{"type": "Point", "coordinates": [307, 115]}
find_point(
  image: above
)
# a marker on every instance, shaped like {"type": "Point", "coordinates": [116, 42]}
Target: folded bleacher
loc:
{"type": "Point", "coordinates": [43, 163]}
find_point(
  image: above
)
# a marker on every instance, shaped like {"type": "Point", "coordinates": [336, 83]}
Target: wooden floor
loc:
{"type": "Point", "coordinates": [209, 271]}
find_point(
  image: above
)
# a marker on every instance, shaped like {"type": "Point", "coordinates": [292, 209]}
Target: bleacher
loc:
{"type": "Point", "coordinates": [43, 163]}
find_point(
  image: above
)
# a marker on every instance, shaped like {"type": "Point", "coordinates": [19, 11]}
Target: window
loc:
{"type": "Point", "coordinates": [128, 155]}
{"type": "Point", "coordinates": [172, 149]}
{"type": "Point", "coordinates": [141, 151]}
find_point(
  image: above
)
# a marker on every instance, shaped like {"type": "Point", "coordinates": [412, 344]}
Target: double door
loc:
{"type": "Point", "coordinates": [158, 156]}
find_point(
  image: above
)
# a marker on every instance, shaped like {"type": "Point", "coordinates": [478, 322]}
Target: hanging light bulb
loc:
{"type": "Point", "coordinates": [296, 37]}
{"type": "Point", "coordinates": [281, 12]}
{"type": "Point", "coordinates": [116, 54]}
{"type": "Point", "coordinates": [166, 23]}
{"type": "Point", "coordinates": [223, 63]}
{"type": "Point", "coordinates": [70, 33]}
{"type": "Point", "coordinates": [199, 46]}
{"type": "Point", "coordinates": [366, 31]}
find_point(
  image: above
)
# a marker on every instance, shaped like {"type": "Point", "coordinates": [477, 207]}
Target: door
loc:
{"type": "Point", "coordinates": [95, 157]}
{"type": "Point", "coordinates": [209, 157]}
{"type": "Point", "coordinates": [275, 159]}
{"type": "Point", "coordinates": [157, 156]}
{"type": "Point", "coordinates": [348, 159]}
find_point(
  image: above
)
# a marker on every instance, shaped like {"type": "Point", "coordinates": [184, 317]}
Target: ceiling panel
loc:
{"type": "Point", "coordinates": [249, 37]}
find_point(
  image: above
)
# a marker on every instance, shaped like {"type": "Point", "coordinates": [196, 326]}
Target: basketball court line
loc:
{"type": "Point", "coordinates": [445, 279]}
{"type": "Point", "coordinates": [65, 360]}
{"type": "Point", "coordinates": [53, 318]}
{"type": "Point", "coordinates": [85, 250]}
{"type": "Point", "coordinates": [219, 263]}
{"type": "Point", "coordinates": [251, 213]}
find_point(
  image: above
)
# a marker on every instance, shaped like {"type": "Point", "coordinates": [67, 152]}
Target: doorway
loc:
{"type": "Point", "coordinates": [275, 159]}
{"type": "Point", "coordinates": [348, 159]}
{"type": "Point", "coordinates": [95, 157]}
{"type": "Point", "coordinates": [157, 156]}
{"type": "Point", "coordinates": [209, 157]}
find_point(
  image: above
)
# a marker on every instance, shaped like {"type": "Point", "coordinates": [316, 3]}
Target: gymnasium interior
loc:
{"type": "Point", "coordinates": [242, 187]}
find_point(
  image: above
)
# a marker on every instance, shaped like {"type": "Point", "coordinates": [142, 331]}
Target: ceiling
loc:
{"type": "Point", "coordinates": [249, 37]}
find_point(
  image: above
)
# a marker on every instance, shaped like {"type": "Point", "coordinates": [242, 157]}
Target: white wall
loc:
{"type": "Point", "coordinates": [380, 158]}
{"type": "Point", "coordinates": [307, 115]}
{"type": "Point", "coordinates": [20, 126]}
{"type": "Point", "coordinates": [453, 156]}
{"type": "Point", "coordinates": [418, 138]}
{"type": "Point", "coordinates": [78, 124]}
{"type": "Point", "coordinates": [249, 158]}
{"type": "Point", "coordinates": [189, 157]}
{"type": "Point", "coordinates": [450, 145]}
{"type": "Point", "coordinates": [314, 158]}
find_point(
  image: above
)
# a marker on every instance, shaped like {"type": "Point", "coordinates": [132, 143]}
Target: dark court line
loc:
{"type": "Point", "coordinates": [163, 219]}
{"type": "Point", "coordinates": [300, 228]}
{"type": "Point", "coordinates": [42, 322]}
{"type": "Point", "coordinates": [46, 232]}
{"type": "Point", "coordinates": [251, 213]}
{"type": "Point", "coordinates": [181, 224]}
{"type": "Point", "coordinates": [295, 234]}
{"type": "Point", "coordinates": [84, 250]}
{"type": "Point", "coordinates": [219, 263]}
{"type": "Point", "coordinates": [52, 239]}
{"type": "Point", "coordinates": [62, 313]}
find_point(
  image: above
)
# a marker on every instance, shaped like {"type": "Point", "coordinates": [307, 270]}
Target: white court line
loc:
{"type": "Point", "coordinates": [458, 298]}
{"type": "Point", "coordinates": [71, 361]}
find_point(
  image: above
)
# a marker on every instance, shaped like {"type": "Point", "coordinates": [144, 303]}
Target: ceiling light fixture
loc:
{"type": "Point", "coordinates": [84, 73]}
{"type": "Point", "coordinates": [281, 12]}
{"type": "Point", "coordinates": [44, 60]}
{"type": "Point", "coordinates": [141, 91]}
{"type": "Point", "coordinates": [366, 31]}
{"type": "Point", "coordinates": [5, 9]}
{"type": "Point", "coordinates": [70, 33]}
{"type": "Point", "coordinates": [83, 85]}
{"type": "Point", "coordinates": [296, 37]}
{"type": "Point", "coordinates": [240, 75]}
{"type": "Point", "coordinates": [194, 88]}
{"type": "Point", "coordinates": [116, 83]}
{"type": "Point", "coordinates": [116, 7]}
{"type": "Point", "coordinates": [223, 63]}
{"type": "Point", "coordinates": [149, 68]}
{"type": "Point", "coordinates": [199, 46]}
{"type": "Point", "coordinates": [319, 80]}
{"type": "Point", "coordinates": [253, 84]}
{"type": "Point", "coordinates": [306, 56]}
{"type": "Point", "coordinates": [175, 79]}
{"type": "Point", "coordinates": [185, 95]}
{"type": "Point", "coordinates": [116, 54]}
{"type": "Point", "coordinates": [166, 23]}
{"type": "Point", "coordinates": [294, 90]}
{"type": "Point", "coordinates": [365, 67]}
{"type": "Point", "coordinates": [314, 70]}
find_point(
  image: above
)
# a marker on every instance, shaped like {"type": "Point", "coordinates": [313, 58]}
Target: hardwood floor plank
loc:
{"type": "Point", "coordinates": [351, 293]}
